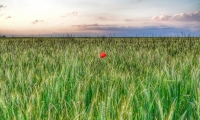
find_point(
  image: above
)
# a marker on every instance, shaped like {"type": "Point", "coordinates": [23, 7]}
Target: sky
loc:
{"type": "Point", "coordinates": [82, 18]}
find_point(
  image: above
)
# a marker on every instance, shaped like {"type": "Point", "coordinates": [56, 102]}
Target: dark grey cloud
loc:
{"type": "Point", "coordinates": [37, 21]}
{"type": "Point", "coordinates": [183, 17]}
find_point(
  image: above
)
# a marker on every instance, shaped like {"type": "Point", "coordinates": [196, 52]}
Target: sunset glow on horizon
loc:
{"type": "Point", "coordinates": [92, 17]}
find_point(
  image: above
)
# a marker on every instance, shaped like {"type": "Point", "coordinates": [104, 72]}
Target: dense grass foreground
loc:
{"type": "Point", "coordinates": [64, 78]}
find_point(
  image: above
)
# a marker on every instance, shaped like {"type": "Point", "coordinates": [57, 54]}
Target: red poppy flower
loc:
{"type": "Point", "coordinates": [103, 55]}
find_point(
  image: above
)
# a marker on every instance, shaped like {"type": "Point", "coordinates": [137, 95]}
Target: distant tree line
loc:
{"type": "Point", "coordinates": [2, 36]}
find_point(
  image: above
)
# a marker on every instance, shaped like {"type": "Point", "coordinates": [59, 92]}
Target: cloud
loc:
{"type": "Point", "coordinates": [8, 17]}
{"type": "Point", "coordinates": [92, 26]}
{"type": "Point", "coordinates": [73, 13]}
{"type": "Point", "coordinates": [118, 28]}
{"type": "Point", "coordinates": [108, 18]}
{"type": "Point", "coordinates": [187, 17]}
{"type": "Point", "coordinates": [162, 17]}
{"type": "Point", "coordinates": [2, 6]}
{"type": "Point", "coordinates": [70, 14]}
{"type": "Point", "coordinates": [101, 18]}
{"type": "Point", "coordinates": [37, 21]}
{"type": "Point", "coordinates": [2, 15]}
{"type": "Point", "coordinates": [132, 31]}
{"type": "Point", "coordinates": [129, 20]}
{"type": "Point", "coordinates": [122, 31]}
{"type": "Point", "coordinates": [183, 17]}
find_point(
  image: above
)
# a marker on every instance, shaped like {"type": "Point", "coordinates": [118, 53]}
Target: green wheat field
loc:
{"type": "Point", "coordinates": [155, 78]}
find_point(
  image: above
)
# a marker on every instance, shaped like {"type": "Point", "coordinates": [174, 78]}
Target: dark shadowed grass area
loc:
{"type": "Point", "coordinates": [64, 78]}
